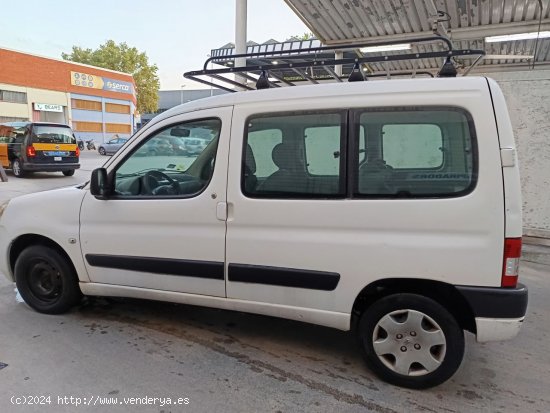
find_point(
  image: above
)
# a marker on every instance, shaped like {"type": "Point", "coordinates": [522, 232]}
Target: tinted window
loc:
{"type": "Point", "coordinates": [416, 152]}
{"type": "Point", "coordinates": [52, 134]}
{"type": "Point", "coordinates": [294, 155]}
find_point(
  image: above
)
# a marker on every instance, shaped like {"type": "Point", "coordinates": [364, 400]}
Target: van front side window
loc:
{"type": "Point", "coordinates": [176, 161]}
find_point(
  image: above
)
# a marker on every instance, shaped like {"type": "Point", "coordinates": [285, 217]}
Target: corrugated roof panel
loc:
{"type": "Point", "coordinates": [341, 20]}
{"type": "Point", "coordinates": [484, 13]}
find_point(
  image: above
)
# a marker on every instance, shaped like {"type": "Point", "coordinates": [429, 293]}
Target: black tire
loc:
{"type": "Point", "coordinates": [399, 312]}
{"type": "Point", "coordinates": [46, 281]}
{"type": "Point", "coordinates": [17, 169]}
{"type": "Point", "coordinates": [68, 172]}
{"type": "Point", "coordinates": [102, 150]}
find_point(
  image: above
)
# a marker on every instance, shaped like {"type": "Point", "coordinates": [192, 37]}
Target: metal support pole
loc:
{"type": "Point", "coordinates": [240, 33]}
{"type": "Point", "coordinates": [338, 68]}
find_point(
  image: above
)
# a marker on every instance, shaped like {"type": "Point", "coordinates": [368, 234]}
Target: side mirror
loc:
{"type": "Point", "coordinates": [98, 184]}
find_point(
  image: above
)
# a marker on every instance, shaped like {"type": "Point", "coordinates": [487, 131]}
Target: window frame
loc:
{"type": "Point", "coordinates": [353, 184]}
{"type": "Point", "coordinates": [343, 169]}
{"type": "Point", "coordinates": [143, 141]}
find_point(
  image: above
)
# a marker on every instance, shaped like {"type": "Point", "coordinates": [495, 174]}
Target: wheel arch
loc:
{"type": "Point", "coordinates": [26, 240]}
{"type": "Point", "coordinates": [445, 294]}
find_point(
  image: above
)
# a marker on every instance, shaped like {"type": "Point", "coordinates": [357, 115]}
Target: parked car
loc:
{"type": "Point", "coordinates": [193, 146]}
{"type": "Point", "coordinates": [389, 207]}
{"type": "Point", "coordinates": [27, 147]}
{"type": "Point", "coordinates": [112, 146]}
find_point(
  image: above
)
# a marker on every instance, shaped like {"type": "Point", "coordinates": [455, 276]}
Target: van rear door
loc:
{"type": "Point", "coordinates": [51, 144]}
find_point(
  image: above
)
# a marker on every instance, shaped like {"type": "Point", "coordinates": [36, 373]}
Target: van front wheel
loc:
{"type": "Point", "coordinates": [45, 280]}
{"type": "Point", "coordinates": [411, 341]}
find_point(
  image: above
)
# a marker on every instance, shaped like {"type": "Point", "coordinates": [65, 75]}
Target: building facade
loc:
{"type": "Point", "coordinates": [97, 103]}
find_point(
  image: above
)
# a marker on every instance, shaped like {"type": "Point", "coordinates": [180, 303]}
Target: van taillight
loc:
{"type": "Point", "coordinates": [510, 267]}
{"type": "Point", "coordinates": [31, 151]}
{"type": "Point", "coordinates": [77, 152]}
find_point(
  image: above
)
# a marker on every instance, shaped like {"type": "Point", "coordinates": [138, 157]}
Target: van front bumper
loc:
{"type": "Point", "coordinates": [498, 312]}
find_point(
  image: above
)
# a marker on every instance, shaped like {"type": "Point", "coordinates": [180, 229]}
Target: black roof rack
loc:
{"type": "Point", "coordinates": [293, 66]}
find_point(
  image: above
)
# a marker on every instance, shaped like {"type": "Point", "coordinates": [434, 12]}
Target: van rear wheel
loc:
{"type": "Point", "coordinates": [411, 341]}
{"type": "Point", "coordinates": [17, 168]}
{"type": "Point", "coordinates": [46, 280]}
{"type": "Point", "coordinates": [68, 172]}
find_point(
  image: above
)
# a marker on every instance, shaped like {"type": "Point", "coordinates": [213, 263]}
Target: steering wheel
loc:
{"type": "Point", "coordinates": [152, 180]}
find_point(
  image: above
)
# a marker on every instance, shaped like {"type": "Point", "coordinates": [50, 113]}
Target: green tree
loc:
{"type": "Point", "coordinates": [125, 59]}
{"type": "Point", "coordinates": [305, 36]}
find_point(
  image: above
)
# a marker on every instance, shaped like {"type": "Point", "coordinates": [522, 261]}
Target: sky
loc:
{"type": "Point", "coordinates": [176, 35]}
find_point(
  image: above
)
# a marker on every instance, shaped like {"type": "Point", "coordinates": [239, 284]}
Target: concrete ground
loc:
{"type": "Point", "coordinates": [41, 181]}
{"type": "Point", "coordinates": [109, 351]}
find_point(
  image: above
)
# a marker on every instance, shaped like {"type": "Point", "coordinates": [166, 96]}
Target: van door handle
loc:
{"type": "Point", "coordinates": [221, 211]}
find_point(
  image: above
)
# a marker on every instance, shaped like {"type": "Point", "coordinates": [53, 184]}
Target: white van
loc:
{"type": "Point", "coordinates": [392, 208]}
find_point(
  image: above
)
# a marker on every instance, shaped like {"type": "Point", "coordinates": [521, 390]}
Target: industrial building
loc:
{"type": "Point", "coordinates": [97, 103]}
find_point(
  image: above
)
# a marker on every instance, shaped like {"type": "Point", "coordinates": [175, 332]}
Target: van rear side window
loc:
{"type": "Point", "coordinates": [295, 155]}
{"type": "Point", "coordinates": [417, 152]}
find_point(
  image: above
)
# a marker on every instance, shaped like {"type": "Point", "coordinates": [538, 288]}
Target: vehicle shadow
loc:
{"type": "Point", "coordinates": [233, 326]}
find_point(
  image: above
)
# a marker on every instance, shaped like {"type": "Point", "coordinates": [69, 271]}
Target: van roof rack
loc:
{"type": "Point", "coordinates": [279, 68]}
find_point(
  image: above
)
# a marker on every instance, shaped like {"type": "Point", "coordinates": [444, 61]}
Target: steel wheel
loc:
{"type": "Point", "coordinates": [46, 279]}
{"type": "Point", "coordinates": [409, 342]}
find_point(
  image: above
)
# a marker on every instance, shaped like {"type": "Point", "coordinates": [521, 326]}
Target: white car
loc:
{"type": "Point", "coordinates": [389, 207]}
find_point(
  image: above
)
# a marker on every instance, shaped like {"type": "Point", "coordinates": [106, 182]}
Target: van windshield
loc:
{"type": "Point", "coordinates": [52, 134]}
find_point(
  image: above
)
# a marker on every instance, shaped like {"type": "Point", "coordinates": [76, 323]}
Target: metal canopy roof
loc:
{"type": "Point", "coordinates": [466, 22]}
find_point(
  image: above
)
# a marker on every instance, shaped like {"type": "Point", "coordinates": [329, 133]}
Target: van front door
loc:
{"type": "Point", "coordinates": [164, 226]}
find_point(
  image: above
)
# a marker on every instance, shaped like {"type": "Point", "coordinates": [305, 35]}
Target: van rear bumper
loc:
{"type": "Point", "coordinates": [498, 312]}
{"type": "Point", "coordinates": [50, 167]}
{"type": "Point", "coordinates": [497, 329]}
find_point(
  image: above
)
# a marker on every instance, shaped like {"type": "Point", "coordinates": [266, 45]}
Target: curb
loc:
{"type": "Point", "coordinates": [536, 253]}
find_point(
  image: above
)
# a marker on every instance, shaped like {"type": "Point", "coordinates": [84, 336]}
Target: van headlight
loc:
{"type": "Point", "coordinates": [3, 207]}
